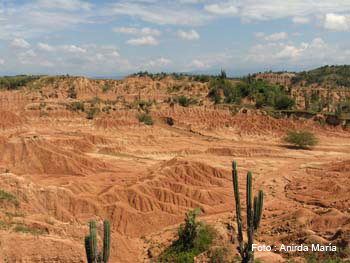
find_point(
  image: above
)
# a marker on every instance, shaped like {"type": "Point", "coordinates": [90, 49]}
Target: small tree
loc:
{"type": "Point", "coordinates": [284, 103]}
{"type": "Point", "coordinates": [223, 75]}
{"type": "Point", "coordinates": [195, 237]}
{"type": "Point", "coordinates": [301, 139]}
{"type": "Point", "coordinates": [188, 232]}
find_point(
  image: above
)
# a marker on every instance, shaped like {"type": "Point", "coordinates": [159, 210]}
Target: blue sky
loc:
{"type": "Point", "coordinates": [108, 37]}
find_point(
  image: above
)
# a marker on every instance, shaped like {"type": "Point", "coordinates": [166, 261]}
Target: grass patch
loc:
{"type": "Point", "coordinates": [8, 197]}
{"type": "Point", "coordinates": [185, 101]}
{"type": "Point", "coordinates": [145, 118]}
{"type": "Point", "coordinates": [12, 215]}
{"type": "Point", "coordinates": [5, 225]}
{"type": "Point", "coordinates": [20, 228]}
{"type": "Point", "coordinates": [77, 106]}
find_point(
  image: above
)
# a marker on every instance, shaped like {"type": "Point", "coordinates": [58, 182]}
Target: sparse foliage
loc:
{"type": "Point", "coordinates": [194, 238]}
{"type": "Point", "coordinates": [301, 139]}
{"type": "Point", "coordinates": [145, 118]}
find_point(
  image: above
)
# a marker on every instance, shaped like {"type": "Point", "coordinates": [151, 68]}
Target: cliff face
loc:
{"type": "Point", "coordinates": [283, 79]}
{"type": "Point", "coordinates": [315, 96]}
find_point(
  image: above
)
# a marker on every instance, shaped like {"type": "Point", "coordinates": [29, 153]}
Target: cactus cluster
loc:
{"type": "Point", "coordinates": [253, 216]}
{"type": "Point", "coordinates": [92, 253]}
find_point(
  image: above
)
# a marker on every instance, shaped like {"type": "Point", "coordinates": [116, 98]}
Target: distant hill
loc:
{"type": "Point", "coordinates": [327, 75]}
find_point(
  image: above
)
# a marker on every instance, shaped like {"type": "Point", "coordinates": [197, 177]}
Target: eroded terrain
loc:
{"type": "Point", "coordinates": [64, 169]}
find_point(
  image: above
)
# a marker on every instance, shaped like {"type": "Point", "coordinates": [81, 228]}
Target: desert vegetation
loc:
{"type": "Point", "coordinates": [194, 237]}
{"type": "Point", "coordinates": [253, 216]}
{"type": "Point", "coordinates": [301, 139]}
{"type": "Point", "coordinates": [16, 82]}
{"type": "Point", "coordinates": [93, 255]}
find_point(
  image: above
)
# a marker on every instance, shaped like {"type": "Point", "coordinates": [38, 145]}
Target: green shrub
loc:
{"type": "Point", "coordinates": [91, 113]}
{"type": "Point", "coordinates": [72, 93]}
{"type": "Point", "coordinates": [185, 101]}
{"type": "Point", "coordinates": [218, 255]}
{"type": "Point", "coordinates": [77, 106]}
{"type": "Point", "coordinates": [214, 95]}
{"type": "Point", "coordinates": [193, 238]}
{"type": "Point", "coordinates": [145, 118]}
{"type": "Point", "coordinates": [329, 258]}
{"type": "Point", "coordinates": [106, 88]}
{"type": "Point", "coordinates": [95, 100]}
{"type": "Point", "coordinates": [284, 103]}
{"type": "Point", "coordinates": [301, 139]}
{"type": "Point", "coordinates": [16, 82]}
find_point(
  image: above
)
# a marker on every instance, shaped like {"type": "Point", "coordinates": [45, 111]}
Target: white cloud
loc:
{"type": "Point", "coordinates": [20, 43]}
{"type": "Point", "coordinates": [199, 64]}
{"type": "Point", "coordinates": [45, 47]}
{"type": "Point", "coordinates": [137, 31]}
{"type": "Point", "coordinates": [272, 37]}
{"type": "Point", "coordinates": [2, 62]}
{"type": "Point", "coordinates": [26, 57]}
{"type": "Point", "coordinates": [334, 22]}
{"type": "Point", "coordinates": [221, 9]}
{"type": "Point", "coordinates": [160, 62]}
{"type": "Point", "coordinates": [300, 20]}
{"type": "Point", "coordinates": [259, 34]}
{"type": "Point", "coordinates": [300, 10]}
{"type": "Point", "coordinates": [289, 52]}
{"type": "Point", "coordinates": [318, 42]}
{"type": "Point", "coordinates": [188, 1]}
{"type": "Point", "coordinates": [143, 41]}
{"type": "Point", "coordinates": [115, 54]}
{"type": "Point", "coordinates": [73, 49]}
{"type": "Point", "coordinates": [46, 63]}
{"type": "Point", "coordinates": [314, 53]}
{"type": "Point", "coordinates": [276, 36]}
{"type": "Point", "coordinates": [161, 13]}
{"type": "Point", "coordinates": [150, 31]}
{"type": "Point", "coordinates": [28, 53]}
{"type": "Point", "coordinates": [65, 4]}
{"type": "Point", "coordinates": [188, 35]}
{"type": "Point", "coordinates": [126, 30]}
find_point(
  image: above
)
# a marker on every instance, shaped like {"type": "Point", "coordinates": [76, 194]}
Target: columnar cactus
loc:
{"type": "Point", "coordinates": [92, 253]}
{"type": "Point", "coordinates": [253, 216]}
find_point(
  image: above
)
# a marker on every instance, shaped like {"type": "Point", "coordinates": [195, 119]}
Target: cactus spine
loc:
{"type": "Point", "coordinates": [253, 215]}
{"type": "Point", "coordinates": [92, 253]}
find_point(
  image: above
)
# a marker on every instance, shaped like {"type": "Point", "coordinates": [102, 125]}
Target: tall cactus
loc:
{"type": "Point", "coordinates": [92, 253]}
{"type": "Point", "coordinates": [253, 215]}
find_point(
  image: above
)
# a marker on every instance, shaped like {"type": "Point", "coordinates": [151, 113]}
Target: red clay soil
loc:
{"type": "Point", "coordinates": [63, 169]}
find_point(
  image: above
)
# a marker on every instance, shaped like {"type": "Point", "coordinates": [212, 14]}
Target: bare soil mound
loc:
{"type": "Point", "coordinates": [325, 187]}
{"type": "Point", "coordinates": [32, 154]}
{"type": "Point", "coordinates": [326, 192]}
{"type": "Point", "coordinates": [10, 120]}
{"type": "Point", "coordinates": [171, 189]}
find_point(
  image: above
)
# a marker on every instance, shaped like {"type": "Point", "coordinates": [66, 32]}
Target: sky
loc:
{"type": "Point", "coordinates": [111, 38]}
